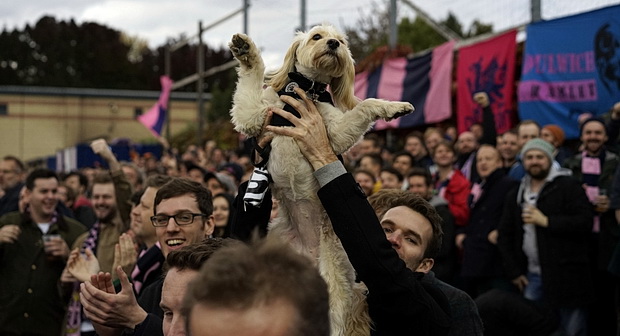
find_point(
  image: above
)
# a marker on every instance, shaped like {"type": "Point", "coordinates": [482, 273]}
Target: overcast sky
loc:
{"type": "Point", "coordinates": [271, 22]}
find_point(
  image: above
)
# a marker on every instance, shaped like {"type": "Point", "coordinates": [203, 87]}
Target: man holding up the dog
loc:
{"type": "Point", "coordinates": [398, 302]}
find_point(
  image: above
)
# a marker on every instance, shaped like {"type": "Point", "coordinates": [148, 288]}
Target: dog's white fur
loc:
{"type": "Point", "coordinates": [302, 220]}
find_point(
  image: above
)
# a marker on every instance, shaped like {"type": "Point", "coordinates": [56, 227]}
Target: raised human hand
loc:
{"type": "Point", "coordinates": [482, 99]}
{"type": "Point", "coordinates": [125, 254]}
{"type": "Point", "coordinates": [82, 266]}
{"type": "Point", "coordinates": [105, 307]}
{"type": "Point", "coordinates": [309, 131]}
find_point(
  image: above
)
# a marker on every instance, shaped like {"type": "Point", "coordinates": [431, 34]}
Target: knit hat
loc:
{"type": "Point", "coordinates": [557, 132]}
{"type": "Point", "coordinates": [541, 145]}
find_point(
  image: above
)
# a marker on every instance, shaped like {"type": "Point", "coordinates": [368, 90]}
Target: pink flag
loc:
{"type": "Point", "coordinates": [156, 116]}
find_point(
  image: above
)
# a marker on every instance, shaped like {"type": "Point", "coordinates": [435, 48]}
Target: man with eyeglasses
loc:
{"type": "Point", "coordinates": [182, 217]}
{"type": "Point", "coordinates": [12, 174]}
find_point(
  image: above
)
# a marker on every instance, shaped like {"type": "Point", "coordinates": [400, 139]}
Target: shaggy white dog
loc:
{"type": "Point", "coordinates": [316, 59]}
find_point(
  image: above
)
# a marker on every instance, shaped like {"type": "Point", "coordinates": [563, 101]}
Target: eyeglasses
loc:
{"type": "Point", "coordinates": [184, 218]}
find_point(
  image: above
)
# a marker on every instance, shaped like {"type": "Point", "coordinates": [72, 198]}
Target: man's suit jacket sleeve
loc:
{"type": "Point", "coordinates": [394, 289]}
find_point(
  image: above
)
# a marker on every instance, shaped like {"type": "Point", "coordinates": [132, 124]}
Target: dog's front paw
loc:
{"type": "Point", "coordinates": [243, 49]}
{"type": "Point", "coordinates": [397, 109]}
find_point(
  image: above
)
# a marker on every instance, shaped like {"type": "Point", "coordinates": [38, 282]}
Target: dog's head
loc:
{"type": "Point", "coordinates": [321, 54]}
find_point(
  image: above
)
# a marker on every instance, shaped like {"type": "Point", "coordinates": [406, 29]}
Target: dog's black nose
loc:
{"type": "Point", "coordinates": [333, 44]}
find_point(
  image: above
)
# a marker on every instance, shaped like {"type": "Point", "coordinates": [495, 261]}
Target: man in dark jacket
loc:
{"type": "Point", "coordinates": [595, 168]}
{"type": "Point", "coordinates": [544, 235]}
{"type": "Point", "coordinates": [481, 266]}
{"type": "Point", "coordinates": [12, 172]}
{"type": "Point", "coordinates": [34, 247]}
{"type": "Point", "coordinates": [389, 257]}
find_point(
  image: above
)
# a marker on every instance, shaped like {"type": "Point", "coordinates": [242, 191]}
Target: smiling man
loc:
{"type": "Point", "coordinates": [595, 168]}
{"type": "Point", "coordinates": [109, 225]}
{"type": "Point", "coordinates": [390, 257]}
{"type": "Point", "coordinates": [111, 194]}
{"type": "Point", "coordinates": [31, 265]}
{"type": "Point", "coordinates": [150, 261]}
{"type": "Point", "coordinates": [544, 236]}
{"type": "Point", "coordinates": [182, 216]}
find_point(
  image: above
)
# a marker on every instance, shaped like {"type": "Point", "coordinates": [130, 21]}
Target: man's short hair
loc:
{"type": "Point", "coordinates": [82, 179]}
{"type": "Point", "coordinates": [447, 144]}
{"type": "Point", "coordinates": [512, 131]}
{"type": "Point", "coordinates": [157, 181]}
{"type": "Point", "coordinates": [18, 163]}
{"type": "Point", "coordinates": [415, 134]}
{"type": "Point", "coordinates": [424, 172]}
{"type": "Point", "coordinates": [386, 199]}
{"type": "Point", "coordinates": [527, 122]}
{"type": "Point", "coordinates": [374, 138]}
{"type": "Point", "coordinates": [193, 256]}
{"type": "Point", "coordinates": [365, 172]}
{"type": "Point", "coordinates": [136, 169]}
{"type": "Point", "coordinates": [242, 276]}
{"type": "Point", "coordinates": [102, 178]}
{"type": "Point", "coordinates": [374, 157]}
{"type": "Point", "coordinates": [182, 186]}
{"type": "Point", "coordinates": [404, 153]}
{"type": "Point", "coordinates": [39, 174]}
{"type": "Point", "coordinates": [394, 172]}
{"type": "Point", "coordinates": [71, 195]}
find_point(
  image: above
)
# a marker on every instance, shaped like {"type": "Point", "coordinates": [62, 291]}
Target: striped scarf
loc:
{"type": "Point", "coordinates": [74, 311]}
{"type": "Point", "coordinates": [257, 187]}
{"type": "Point", "coordinates": [591, 171]}
{"type": "Point", "coordinates": [148, 267]}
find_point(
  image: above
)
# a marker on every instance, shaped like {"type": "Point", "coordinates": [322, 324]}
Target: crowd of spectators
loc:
{"type": "Point", "coordinates": [530, 228]}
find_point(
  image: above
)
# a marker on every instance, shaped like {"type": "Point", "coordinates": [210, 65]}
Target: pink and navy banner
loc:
{"type": "Point", "coordinates": [571, 66]}
{"type": "Point", "coordinates": [488, 66]}
{"type": "Point", "coordinates": [156, 116]}
{"type": "Point", "coordinates": [424, 81]}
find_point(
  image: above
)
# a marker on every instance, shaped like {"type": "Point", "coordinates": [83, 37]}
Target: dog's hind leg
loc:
{"type": "Point", "coordinates": [348, 310]}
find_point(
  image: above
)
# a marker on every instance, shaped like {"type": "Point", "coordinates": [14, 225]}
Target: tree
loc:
{"type": "Point", "coordinates": [479, 28]}
{"type": "Point", "coordinates": [66, 54]}
{"type": "Point", "coordinates": [418, 34]}
{"type": "Point", "coordinates": [371, 32]}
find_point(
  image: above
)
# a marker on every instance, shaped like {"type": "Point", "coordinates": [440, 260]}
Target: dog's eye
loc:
{"type": "Point", "coordinates": [341, 42]}
{"type": "Point", "coordinates": [316, 37]}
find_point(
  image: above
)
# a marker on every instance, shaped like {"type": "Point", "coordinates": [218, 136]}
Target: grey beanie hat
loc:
{"type": "Point", "coordinates": [541, 145]}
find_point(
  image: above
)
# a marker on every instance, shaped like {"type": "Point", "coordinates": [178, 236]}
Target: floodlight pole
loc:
{"type": "Point", "coordinates": [393, 27]}
{"type": "Point", "coordinates": [535, 10]}
{"type": "Point", "coordinates": [200, 85]}
{"type": "Point", "coordinates": [246, 6]}
{"type": "Point", "coordinates": [302, 16]}
{"type": "Point", "coordinates": [167, 72]}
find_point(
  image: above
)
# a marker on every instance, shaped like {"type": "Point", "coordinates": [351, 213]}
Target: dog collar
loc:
{"type": "Point", "coordinates": [316, 91]}
{"type": "Point", "coordinates": [313, 88]}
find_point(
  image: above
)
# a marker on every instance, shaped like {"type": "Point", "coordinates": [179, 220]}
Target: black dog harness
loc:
{"type": "Point", "coordinates": [315, 90]}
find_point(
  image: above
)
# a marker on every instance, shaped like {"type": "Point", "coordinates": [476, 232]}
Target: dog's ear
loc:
{"type": "Point", "coordinates": [280, 77]}
{"type": "Point", "coordinates": [343, 88]}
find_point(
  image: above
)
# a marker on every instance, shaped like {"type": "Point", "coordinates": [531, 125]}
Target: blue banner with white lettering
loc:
{"type": "Point", "coordinates": [571, 66]}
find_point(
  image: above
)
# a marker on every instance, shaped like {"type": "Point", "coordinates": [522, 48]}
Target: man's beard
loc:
{"type": "Point", "coordinates": [109, 217]}
{"type": "Point", "coordinates": [594, 146]}
{"type": "Point", "coordinates": [540, 173]}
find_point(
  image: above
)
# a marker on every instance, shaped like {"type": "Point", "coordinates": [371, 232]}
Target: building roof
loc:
{"type": "Point", "coordinates": [89, 92]}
